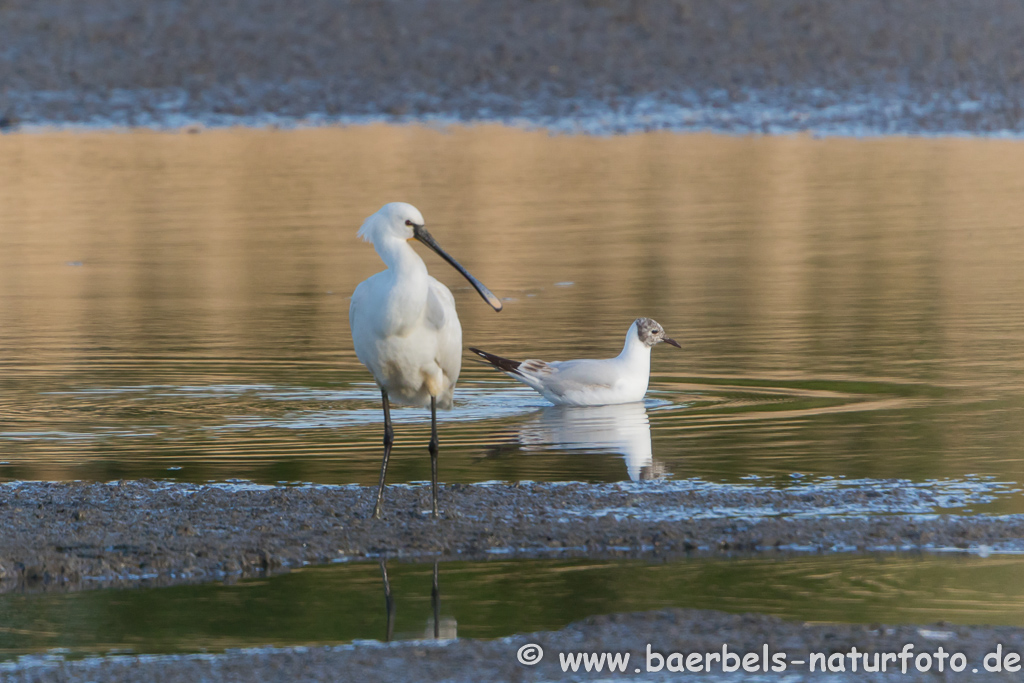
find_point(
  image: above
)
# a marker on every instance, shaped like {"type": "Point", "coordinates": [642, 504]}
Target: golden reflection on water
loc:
{"type": "Point", "coordinates": [132, 259]}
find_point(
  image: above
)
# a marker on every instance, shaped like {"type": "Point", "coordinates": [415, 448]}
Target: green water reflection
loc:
{"type": "Point", "coordinates": [492, 599]}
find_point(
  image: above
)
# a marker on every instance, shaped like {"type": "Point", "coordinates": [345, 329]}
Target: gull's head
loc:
{"type": "Point", "coordinates": [397, 219]}
{"type": "Point", "coordinates": [651, 333]}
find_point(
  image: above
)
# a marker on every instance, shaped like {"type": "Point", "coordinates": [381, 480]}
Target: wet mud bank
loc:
{"type": "Point", "coordinates": [859, 67]}
{"type": "Point", "coordinates": [667, 632]}
{"type": "Point", "coordinates": [67, 536]}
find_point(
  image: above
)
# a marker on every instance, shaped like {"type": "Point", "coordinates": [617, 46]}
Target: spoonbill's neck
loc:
{"type": "Point", "coordinates": [400, 257]}
{"type": "Point", "coordinates": [406, 284]}
{"type": "Point", "coordinates": [634, 349]}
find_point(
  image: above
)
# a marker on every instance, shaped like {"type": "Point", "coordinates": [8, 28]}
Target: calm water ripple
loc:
{"type": "Point", "coordinates": [331, 605]}
{"type": "Point", "coordinates": [175, 306]}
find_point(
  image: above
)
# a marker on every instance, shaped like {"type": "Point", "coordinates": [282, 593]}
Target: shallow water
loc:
{"type": "Point", "coordinates": [328, 605]}
{"type": "Point", "coordinates": [174, 305]}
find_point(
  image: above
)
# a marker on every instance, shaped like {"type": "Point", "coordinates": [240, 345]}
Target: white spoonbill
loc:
{"type": "Point", "coordinates": [587, 382]}
{"type": "Point", "coordinates": [404, 326]}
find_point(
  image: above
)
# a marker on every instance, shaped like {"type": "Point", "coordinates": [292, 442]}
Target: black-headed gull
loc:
{"type": "Point", "coordinates": [587, 382]}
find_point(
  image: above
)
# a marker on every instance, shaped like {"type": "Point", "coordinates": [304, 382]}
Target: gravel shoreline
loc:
{"type": "Point", "coordinates": [475, 661]}
{"type": "Point", "coordinates": [740, 66]}
{"type": "Point", "coordinates": [70, 536]}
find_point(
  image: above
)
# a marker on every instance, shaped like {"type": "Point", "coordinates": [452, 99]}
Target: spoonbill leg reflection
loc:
{"type": "Point", "coordinates": [438, 628]}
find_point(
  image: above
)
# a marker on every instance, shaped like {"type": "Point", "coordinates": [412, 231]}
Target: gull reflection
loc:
{"type": "Point", "coordinates": [623, 428]}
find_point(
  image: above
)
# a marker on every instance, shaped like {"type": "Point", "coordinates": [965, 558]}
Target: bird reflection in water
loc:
{"type": "Point", "coordinates": [437, 628]}
{"type": "Point", "coordinates": [623, 428]}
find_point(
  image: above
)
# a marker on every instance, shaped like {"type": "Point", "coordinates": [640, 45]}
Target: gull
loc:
{"type": "Point", "coordinates": [587, 382]}
{"type": "Point", "coordinates": [405, 329]}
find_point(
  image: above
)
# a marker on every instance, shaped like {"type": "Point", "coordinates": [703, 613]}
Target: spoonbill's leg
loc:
{"type": "Point", "coordinates": [389, 602]}
{"type": "Point", "coordinates": [389, 439]}
{"type": "Point", "coordinates": [433, 452]}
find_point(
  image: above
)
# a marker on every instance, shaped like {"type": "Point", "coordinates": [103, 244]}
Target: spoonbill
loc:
{"type": "Point", "coordinates": [587, 382]}
{"type": "Point", "coordinates": [404, 326]}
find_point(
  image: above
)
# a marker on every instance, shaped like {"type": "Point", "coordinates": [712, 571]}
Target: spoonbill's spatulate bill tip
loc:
{"type": "Point", "coordinates": [405, 329]}
{"type": "Point", "coordinates": [587, 382]}
{"type": "Point", "coordinates": [420, 233]}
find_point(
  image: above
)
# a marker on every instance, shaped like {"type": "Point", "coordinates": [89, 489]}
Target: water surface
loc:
{"type": "Point", "coordinates": [330, 605]}
{"type": "Point", "coordinates": [174, 305]}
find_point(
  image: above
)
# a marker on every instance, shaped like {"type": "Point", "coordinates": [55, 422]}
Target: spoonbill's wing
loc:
{"type": "Point", "coordinates": [441, 316]}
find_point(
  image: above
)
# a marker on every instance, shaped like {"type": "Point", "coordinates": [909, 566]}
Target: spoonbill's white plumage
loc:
{"type": "Point", "coordinates": [587, 382]}
{"type": "Point", "coordinates": [405, 328]}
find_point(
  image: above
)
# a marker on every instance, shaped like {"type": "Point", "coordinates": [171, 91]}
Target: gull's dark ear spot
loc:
{"type": "Point", "coordinates": [646, 330]}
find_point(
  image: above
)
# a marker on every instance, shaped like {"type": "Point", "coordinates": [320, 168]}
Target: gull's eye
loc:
{"type": "Point", "coordinates": [408, 222]}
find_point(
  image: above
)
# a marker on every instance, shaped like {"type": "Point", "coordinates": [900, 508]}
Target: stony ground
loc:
{"type": "Point", "coordinates": [667, 632]}
{"type": "Point", "coordinates": [74, 535]}
{"type": "Point", "coordinates": [739, 65]}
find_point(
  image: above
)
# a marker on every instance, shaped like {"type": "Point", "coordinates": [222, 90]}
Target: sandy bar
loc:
{"type": "Point", "coordinates": [85, 535]}
{"type": "Point", "coordinates": [667, 632]}
{"type": "Point", "coordinates": [856, 67]}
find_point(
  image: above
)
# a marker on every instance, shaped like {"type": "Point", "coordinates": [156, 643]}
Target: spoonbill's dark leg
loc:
{"type": "Point", "coordinates": [388, 602]}
{"type": "Point", "coordinates": [389, 439]}
{"type": "Point", "coordinates": [433, 452]}
{"type": "Point", "coordinates": [435, 600]}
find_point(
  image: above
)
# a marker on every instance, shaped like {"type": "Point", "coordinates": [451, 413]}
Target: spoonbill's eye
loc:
{"type": "Point", "coordinates": [408, 222]}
